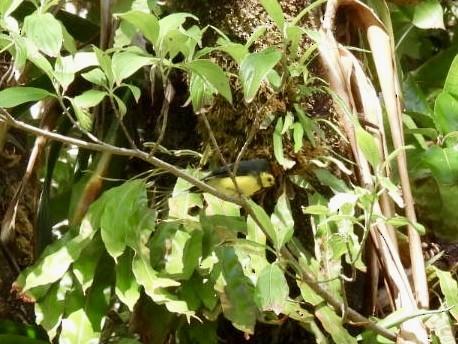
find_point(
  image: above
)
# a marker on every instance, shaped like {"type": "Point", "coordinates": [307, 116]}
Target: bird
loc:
{"type": "Point", "coordinates": [251, 176]}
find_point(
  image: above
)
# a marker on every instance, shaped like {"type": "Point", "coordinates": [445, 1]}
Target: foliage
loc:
{"type": "Point", "coordinates": [205, 257]}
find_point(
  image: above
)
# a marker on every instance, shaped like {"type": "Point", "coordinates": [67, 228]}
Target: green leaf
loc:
{"type": "Point", "coordinates": [368, 146]}
{"type": "Point", "coordinates": [265, 222]}
{"type": "Point", "coordinates": [146, 23]}
{"type": "Point", "coordinates": [50, 309]}
{"type": "Point", "coordinates": [13, 96]}
{"type": "Point", "coordinates": [282, 220]}
{"type": "Point", "coordinates": [105, 64]}
{"type": "Point", "coordinates": [45, 31]}
{"type": "Point", "coordinates": [89, 98]}
{"type": "Point", "coordinates": [254, 68]}
{"type": "Point", "coordinates": [236, 50]}
{"type": "Point", "coordinates": [126, 63]}
{"type": "Point", "coordinates": [213, 75]}
{"type": "Point", "coordinates": [449, 288]}
{"type": "Point", "coordinates": [96, 76]}
{"type": "Point", "coordinates": [278, 142]}
{"type": "Point", "coordinates": [8, 6]}
{"type": "Point", "coordinates": [171, 23]}
{"type": "Point", "coordinates": [77, 329]}
{"type": "Point", "coordinates": [443, 162]}
{"type": "Point", "coordinates": [428, 14]}
{"type": "Point", "coordinates": [298, 136]}
{"type": "Point", "coordinates": [84, 267]}
{"type": "Point", "coordinates": [184, 253]}
{"type": "Point", "coordinates": [122, 108]}
{"type": "Point", "coordinates": [147, 277]}
{"type": "Point", "coordinates": [332, 323]}
{"type": "Point", "coordinates": [67, 66]}
{"type": "Point", "coordinates": [327, 178]}
{"type": "Point", "coordinates": [451, 82]}
{"type": "Point", "coordinates": [316, 210]}
{"type": "Point", "coordinates": [136, 92]}
{"type": "Point", "coordinates": [237, 293]}
{"type": "Point", "coordinates": [126, 217]}
{"type": "Point", "coordinates": [56, 260]}
{"type": "Point", "coordinates": [201, 93]}
{"type": "Point", "coordinates": [272, 289]}
{"type": "Point", "coordinates": [275, 12]}
{"type": "Point", "coordinates": [446, 113]}
{"type": "Point", "coordinates": [83, 116]}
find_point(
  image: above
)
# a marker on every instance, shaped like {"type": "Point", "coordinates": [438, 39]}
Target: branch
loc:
{"type": "Point", "coordinates": [108, 148]}
{"type": "Point", "coordinates": [104, 147]}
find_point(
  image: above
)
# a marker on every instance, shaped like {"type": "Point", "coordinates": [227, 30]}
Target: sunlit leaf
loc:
{"type": "Point", "coordinates": [45, 31]}
{"type": "Point", "coordinates": [77, 328]}
{"type": "Point", "coordinates": [275, 12]}
{"type": "Point", "coordinates": [366, 143]}
{"type": "Point", "coordinates": [428, 14]}
{"type": "Point", "coordinates": [96, 76]}
{"type": "Point", "coordinates": [254, 68]}
{"type": "Point", "coordinates": [127, 288]}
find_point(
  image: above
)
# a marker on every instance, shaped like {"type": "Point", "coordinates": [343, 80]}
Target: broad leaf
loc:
{"type": "Point", "coordinates": [89, 98]}
{"type": "Point", "coordinates": [127, 288]}
{"type": "Point", "coordinates": [126, 63]}
{"type": "Point", "coordinates": [146, 23]}
{"type": "Point", "coordinates": [213, 75]}
{"type": "Point", "coordinates": [237, 295]}
{"type": "Point", "coordinates": [428, 14]}
{"type": "Point", "coordinates": [272, 289]}
{"type": "Point", "coordinates": [254, 68]}
{"type": "Point", "coordinates": [77, 329]}
{"type": "Point", "coordinates": [13, 96]}
{"type": "Point", "coordinates": [443, 162]}
{"type": "Point", "coordinates": [446, 113]}
{"type": "Point", "coordinates": [45, 31]}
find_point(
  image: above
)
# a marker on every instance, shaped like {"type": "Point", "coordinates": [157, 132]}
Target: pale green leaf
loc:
{"type": "Point", "coordinates": [449, 288]}
{"type": "Point", "coordinates": [96, 76]}
{"type": "Point", "coordinates": [298, 136]}
{"type": "Point", "coordinates": [267, 226]}
{"type": "Point", "coordinates": [366, 143]}
{"type": "Point", "coordinates": [272, 289]}
{"type": "Point", "coordinates": [45, 31]}
{"type": "Point", "coordinates": [428, 14]}
{"type": "Point", "coordinates": [83, 117]}
{"type": "Point", "coordinates": [275, 12]}
{"type": "Point", "coordinates": [77, 329]}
